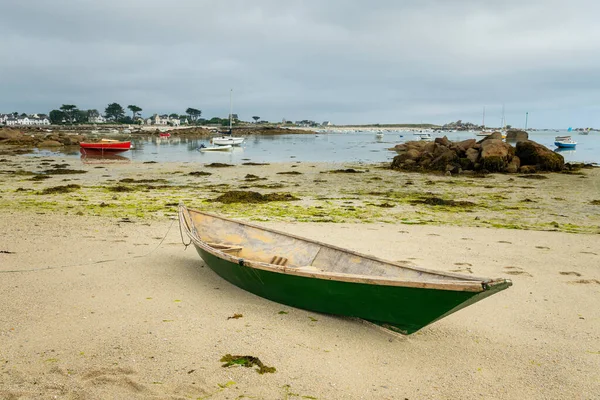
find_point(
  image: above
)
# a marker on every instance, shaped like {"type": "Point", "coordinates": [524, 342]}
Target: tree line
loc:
{"type": "Point", "coordinates": [114, 112]}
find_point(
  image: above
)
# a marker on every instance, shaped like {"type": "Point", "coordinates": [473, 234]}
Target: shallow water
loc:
{"type": "Point", "coordinates": [362, 147]}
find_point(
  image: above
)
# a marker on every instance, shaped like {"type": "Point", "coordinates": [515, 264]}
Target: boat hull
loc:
{"type": "Point", "coordinates": [402, 309]}
{"type": "Point", "coordinates": [113, 147]}
{"type": "Point", "coordinates": [563, 145]}
{"type": "Point", "coordinates": [216, 148]}
{"type": "Point", "coordinates": [223, 141]}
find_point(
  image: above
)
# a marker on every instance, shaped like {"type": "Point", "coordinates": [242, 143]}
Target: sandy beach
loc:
{"type": "Point", "coordinates": [99, 299]}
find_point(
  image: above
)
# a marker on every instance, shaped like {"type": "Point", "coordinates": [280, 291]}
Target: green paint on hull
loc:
{"type": "Point", "coordinates": [403, 309]}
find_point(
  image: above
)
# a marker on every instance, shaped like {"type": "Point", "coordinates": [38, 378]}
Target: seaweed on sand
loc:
{"type": "Point", "coordinates": [121, 189]}
{"type": "Point", "coordinates": [131, 180]}
{"type": "Point", "coordinates": [251, 178]}
{"type": "Point", "coordinates": [63, 171]}
{"type": "Point", "coordinates": [346, 171]}
{"type": "Point", "coordinates": [289, 173]}
{"type": "Point", "coordinates": [39, 177]}
{"type": "Point", "coordinates": [438, 201]}
{"type": "Point", "coordinates": [60, 189]}
{"type": "Point", "coordinates": [240, 196]}
{"type": "Point", "coordinates": [200, 173]}
{"type": "Point", "coordinates": [246, 361]}
{"type": "Point", "coordinates": [218, 165]}
{"type": "Point", "coordinates": [532, 176]}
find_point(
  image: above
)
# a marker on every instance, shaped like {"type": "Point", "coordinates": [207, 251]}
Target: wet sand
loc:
{"type": "Point", "coordinates": [96, 306]}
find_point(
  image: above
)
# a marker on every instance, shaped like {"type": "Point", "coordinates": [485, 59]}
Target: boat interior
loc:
{"type": "Point", "coordinates": [263, 245]}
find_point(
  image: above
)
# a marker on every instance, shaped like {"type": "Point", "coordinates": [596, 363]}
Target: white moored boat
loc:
{"type": "Point", "coordinates": [225, 140]}
{"type": "Point", "coordinates": [228, 140]}
{"type": "Point", "coordinates": [226, 147]}
{"type": "Point", "coordinates": [565, 142]}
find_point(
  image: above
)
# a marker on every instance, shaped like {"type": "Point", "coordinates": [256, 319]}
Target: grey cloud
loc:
{"type": "Point", "coordinates": [346, 61]}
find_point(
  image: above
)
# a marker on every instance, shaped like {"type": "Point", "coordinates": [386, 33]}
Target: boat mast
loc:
{"type": "Point", "coordinates": [503, 122]}
{"type": "Point", "coordinates": [483, 121]}
{"type": "Point", "coordinates": [230, 108]}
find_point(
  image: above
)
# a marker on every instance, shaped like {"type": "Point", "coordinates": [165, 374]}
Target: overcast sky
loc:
{"type": "Point", "coordinates": [348, 61]}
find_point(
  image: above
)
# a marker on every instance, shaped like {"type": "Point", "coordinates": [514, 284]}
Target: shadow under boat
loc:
{"type": "Point", "coordinates": [99, 156]}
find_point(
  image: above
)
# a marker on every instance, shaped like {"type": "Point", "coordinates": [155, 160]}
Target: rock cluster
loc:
{"type": "Point", "coordinates": [17, 137]}
{"type": "Point", "coordinates": [491, 154]}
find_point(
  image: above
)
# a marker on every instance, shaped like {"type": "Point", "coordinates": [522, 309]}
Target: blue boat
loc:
{"type": "Point", "coordinates": [564, 142]}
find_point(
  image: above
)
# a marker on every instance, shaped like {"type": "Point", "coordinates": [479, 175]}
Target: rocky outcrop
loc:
{"type": "Point", "coordinates": [541, 157]}
{"type": "Point", "coordinates": [9, 134]}
{"type": "Point", "coordinates": [488, 155]}
{"type": "Point", "coordinates": [41, 138]}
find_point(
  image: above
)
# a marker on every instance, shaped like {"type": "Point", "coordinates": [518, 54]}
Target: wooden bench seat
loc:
{"type": "Point", "coordinates": [225, 248]}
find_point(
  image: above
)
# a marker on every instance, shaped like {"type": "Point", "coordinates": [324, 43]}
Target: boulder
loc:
{"type": "Point", "coordinates": [49, 143]}
{"type": "Point", "coordinates": [539, 156]}
{"type": "Point", "coordinates": [72, 140]}
{"type": "Point", "coordinates": [465, 144]}
{"type": "Point", "coordinates": [495, 155]}
{"type": "Point", "coordinates": [515, 135]}
{"type": "Point", "coordinates": [444, 158]}
{"type": "Point", "coordinates": [527, 169]}
{"type": "Point", "coordinates": [443, 141]}
{"type": "Point", "coordinates": [513, 165]}
{"type": "Point", "coordinates": [493, 135]}
{"type": "Point", "coordinates": [412, 154]}
{"type": "Point", "coordinates": [472, 154]}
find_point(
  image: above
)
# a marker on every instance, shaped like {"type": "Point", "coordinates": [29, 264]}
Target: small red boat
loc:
{"type": "Point", "coordinates": [165, 134]}
{"type": "Point", "coordinates": [106, 145]}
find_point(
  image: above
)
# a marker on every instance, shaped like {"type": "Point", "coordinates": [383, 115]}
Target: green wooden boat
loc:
{"type": "Point", "coordinates": [319, 277]}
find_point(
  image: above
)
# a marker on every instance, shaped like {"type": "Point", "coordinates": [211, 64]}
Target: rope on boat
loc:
{"type": "Point", "coordinates": [96, 262]}
{"type": "Point", "coordinates": [181, 218]}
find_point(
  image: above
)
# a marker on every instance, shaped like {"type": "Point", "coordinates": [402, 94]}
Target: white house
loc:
{"type": "Point", "coordinates": [32, 120]}
{"type": "Point", "coordinates": [39, 121]}
{"type": "Point", "coordinates": [99, 119]}
{"type": "Point", "coordinates": [159, 119]}
{"type": "Point", "coordinates": [23, 121]}
{"type": "Point", "coordinates": [326, 123]}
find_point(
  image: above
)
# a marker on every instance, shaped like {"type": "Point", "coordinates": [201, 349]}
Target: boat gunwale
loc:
{"type": "Point", "coordinates": [467, 283]}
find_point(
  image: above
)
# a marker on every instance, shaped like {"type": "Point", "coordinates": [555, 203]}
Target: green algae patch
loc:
{"type": "Point", "coordinates": [240, 196]}
{"type": "Point", "coordinates": [60, 189]}
{"type": "Point", "coordinates": [255, 163]}
{"type": "Point", "coordinates": [246, 361]}
{"type": "Point", "coordinates": [289, 173]}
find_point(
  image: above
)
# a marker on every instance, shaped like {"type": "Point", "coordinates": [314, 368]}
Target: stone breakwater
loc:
{"type": "Point", "coordinates": [491, 154]}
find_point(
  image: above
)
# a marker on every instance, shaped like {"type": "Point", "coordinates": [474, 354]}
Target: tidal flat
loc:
{"type": "Point", "coordinates": [304, 192]}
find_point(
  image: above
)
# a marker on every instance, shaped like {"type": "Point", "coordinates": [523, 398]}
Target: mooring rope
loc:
{"type": "Point", "coordinates": [96, 262]}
